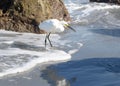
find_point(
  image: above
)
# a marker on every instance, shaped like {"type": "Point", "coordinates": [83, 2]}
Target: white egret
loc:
{"type": "Point", "coordinates": [53, 26]}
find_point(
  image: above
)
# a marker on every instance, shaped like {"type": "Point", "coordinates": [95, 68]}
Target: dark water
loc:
{"type": "Point", "coordinates": [111, 32]}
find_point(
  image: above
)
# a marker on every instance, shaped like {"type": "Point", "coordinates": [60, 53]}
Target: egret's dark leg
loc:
{"type": "Point", "coordinates": [46, 40]}
{"type": "Point", "coordinates": [49, 39]}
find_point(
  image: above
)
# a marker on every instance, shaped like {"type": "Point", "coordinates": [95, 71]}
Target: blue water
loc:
{"type": "Point", "coordinates": [88, 72]}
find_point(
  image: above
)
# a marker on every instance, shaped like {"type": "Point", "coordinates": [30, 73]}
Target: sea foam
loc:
{"type": "Point", "coordinates": [20, 52]}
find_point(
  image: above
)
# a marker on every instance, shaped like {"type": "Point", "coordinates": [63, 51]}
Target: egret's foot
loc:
{"type": "Point", "coordinates": [48, 48]}
{"type": "Point", "coordinates": [54, 48]}
{"type": "Point", "coordinates": [41, 49]}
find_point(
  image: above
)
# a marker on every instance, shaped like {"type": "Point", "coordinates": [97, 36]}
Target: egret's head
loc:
{"type": "Point", "coordinates": [67, 25]}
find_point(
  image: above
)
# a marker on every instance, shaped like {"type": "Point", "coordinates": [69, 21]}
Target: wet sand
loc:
{"type": "Point", "coordinates": [28, 78]}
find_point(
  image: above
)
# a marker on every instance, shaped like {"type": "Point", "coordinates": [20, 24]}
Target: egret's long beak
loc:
{"type": "Point", "coordinates": [71, 28]}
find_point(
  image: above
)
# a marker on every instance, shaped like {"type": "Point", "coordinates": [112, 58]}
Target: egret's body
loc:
{"type": "Point", "coordinates": [53, 26]}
